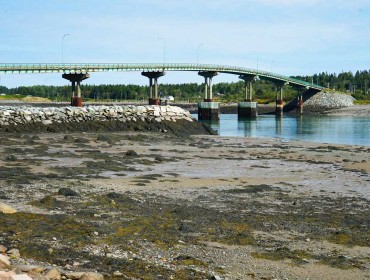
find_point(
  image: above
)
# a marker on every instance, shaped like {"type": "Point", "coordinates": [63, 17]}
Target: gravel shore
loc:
{"type": "Point", "coordinates": [135, 205]}
{"type": "Point", "coordinates": [355, 110]}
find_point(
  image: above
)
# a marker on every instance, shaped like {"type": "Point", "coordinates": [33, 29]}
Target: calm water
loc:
{"type": "Point", "coordinates": [323, 129]}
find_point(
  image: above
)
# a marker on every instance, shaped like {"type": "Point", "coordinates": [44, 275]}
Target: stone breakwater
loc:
{"type": "Point", "coordinates": [52, 115]}
{"type": "Point", "coordinates": [323, 101]}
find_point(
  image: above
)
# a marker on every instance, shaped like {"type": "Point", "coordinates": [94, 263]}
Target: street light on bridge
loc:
{"type": "Point", "coordinates": [272, 62]}
{"type": "Point", "coordinates": [198, 47]}
{"type": "Point", "coordinates": [164, 50]}
{"type": "Point", "coordinates": [67, 34]}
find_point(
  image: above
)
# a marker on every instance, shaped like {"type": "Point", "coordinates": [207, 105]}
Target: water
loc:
{"type": "Point", "coordinates": [323, 129]}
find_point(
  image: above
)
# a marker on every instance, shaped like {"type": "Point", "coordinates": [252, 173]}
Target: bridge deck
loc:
{"type": "Point", "coordinates": [104, 67]}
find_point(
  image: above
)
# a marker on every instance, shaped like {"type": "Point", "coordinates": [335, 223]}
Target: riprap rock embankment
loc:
{"type": "Point", "coordinates": [99, 118]}
{"type": "Point", "coordinates": [324, 101]}
{"type": "Point", "coordinates": [50, 115]}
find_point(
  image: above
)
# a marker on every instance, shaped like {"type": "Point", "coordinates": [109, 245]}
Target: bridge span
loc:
{"type": "Point", "coordinates": [76, 72]}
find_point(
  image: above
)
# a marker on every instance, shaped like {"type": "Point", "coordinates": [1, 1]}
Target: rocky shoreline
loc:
{"type": "Point", "coordinates": [134, 205]}
{"type": "Point", "coordinates": [14, 267]}
{"type": "Point", "coordinates": [100, 118]}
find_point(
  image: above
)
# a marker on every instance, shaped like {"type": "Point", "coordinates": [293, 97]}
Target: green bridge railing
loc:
{"type": "Point", "coordinates": [104, 67]}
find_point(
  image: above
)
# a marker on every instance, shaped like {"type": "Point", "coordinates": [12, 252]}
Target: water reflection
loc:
{"type": "Point", "coordinates": [214, 124]}
{"type": "Point", "coordinates": [279, 124]}
{"type": "Point", "coordinates": [248, 126]}
{"type": "Point", "coordinates": [324, 129]}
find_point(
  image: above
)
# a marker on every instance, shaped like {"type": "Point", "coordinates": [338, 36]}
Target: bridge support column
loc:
{"type": "Point", "coordinates": [279, 99]}
{"type": "Point", "coordinates": [300, 105]}
{"type": "Point", "coordinates": [247, 108]}
{"type": "Point", "coordinates": [76, 99]}
{"type": "Point", "coordinates": [153, 100]}
{"type": "Point", "coordinates": [208, 110]}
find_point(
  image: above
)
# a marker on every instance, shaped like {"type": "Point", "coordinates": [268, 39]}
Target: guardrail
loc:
{"type": "Point", "coordinates": [102, 67]}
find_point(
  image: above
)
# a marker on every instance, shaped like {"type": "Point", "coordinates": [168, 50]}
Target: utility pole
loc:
{"type": "Point", "coordinates": [365, 86]}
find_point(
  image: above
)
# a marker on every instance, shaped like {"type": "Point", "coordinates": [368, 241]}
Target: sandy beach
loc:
{"type": "Point", "coordinates": [156, 206]}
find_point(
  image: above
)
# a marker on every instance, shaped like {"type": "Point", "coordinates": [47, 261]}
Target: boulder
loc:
{"type": "Point", "coordinates": [92, 276]}
{"type": "Point", "coordinates": [4, 262]}
{"type": "Point", "coordinates": [6, 209]}
{"type": "Point", "coordinates": [67, 192]}
{"type": "Point", "coordinates": [6, 275]}
{"type": "Point", "coordinates": [21, 277]}
{"type": "Point", "coordinates": [3, 249]}
{"type": "Point", "coordinates": [53, 274]}
{"type": "Point", "coordinates": [14, 253]}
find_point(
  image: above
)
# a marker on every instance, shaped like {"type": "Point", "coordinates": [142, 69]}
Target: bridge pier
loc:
{"type": "Point", "coordinates": [76, 99]}
{"type": "Point", "coordinates": [153, 100]}
{"type": "Point", "coordinates": [208, 110]}
{"type": "Point", "coordinates": [279, 99]}
{"type": "Point", "coordinates": [300, 105]}
{"type": "Point", "coordinates": [247, 108]}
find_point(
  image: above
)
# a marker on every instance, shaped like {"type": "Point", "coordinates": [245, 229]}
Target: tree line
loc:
{"type": "Point", "coordinates": [357, 84]}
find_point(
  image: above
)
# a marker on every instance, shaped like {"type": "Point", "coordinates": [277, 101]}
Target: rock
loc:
{"type": "Point", "coordinates": [53, 274]}
{"type": "Point", "coordinates": [3, 249]}
{"type": "Point", "coordinates": [21, 277]}
{"type": "Point", "coordinates": [4, 262]}
{"type": "Point", "coordinates": [131, 153]}
{"type": "Point", "coordinates": [6, 275]}
{"type": "Point", "coordinates": [67, 192]}
{"type": "Point", "coordinates": [47, 122]}
{"type": "Point", "coordinates": [14, 253]}
{"type": "Point", "coordinates": [74, 275]}
{"type": "Point", "coordinates": [6, 209]}
{"type": "Point", "coordinates": [92, 276]}
{"type": "Point", "coordinates": [29, 268]}
{"type": "Point", "coordinates": [11, 158]}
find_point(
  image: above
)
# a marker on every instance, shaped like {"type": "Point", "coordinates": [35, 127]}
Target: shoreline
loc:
{"type": "Point", "coordinates": [188, 208]}
{"type": "Point", "coordinates": [354, 110]}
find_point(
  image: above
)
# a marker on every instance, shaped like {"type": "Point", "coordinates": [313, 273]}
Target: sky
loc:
{"type": "Point", "coordinates": [288, 37]}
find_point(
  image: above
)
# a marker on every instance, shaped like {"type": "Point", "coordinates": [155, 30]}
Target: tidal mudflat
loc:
{"type": "Point", "coordinates": [156, 206]}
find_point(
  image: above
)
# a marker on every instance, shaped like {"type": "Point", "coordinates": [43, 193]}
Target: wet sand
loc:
{"type": "Point", "coordinates": [156, 205]}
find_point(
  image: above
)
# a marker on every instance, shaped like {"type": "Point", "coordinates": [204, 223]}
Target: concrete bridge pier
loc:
{"type": "Point", "coordinates": [208, 110]}
{"type": "Point", "coordinates": [76, 99]}
{"type": "Point", "coordinates": [279, 99]}
{"type": "Point", "coordinates": [300, 105]}
{"type": "Point", "coordinates": [247, 108]}
{"type": "Point", "coordinates": [153, 100]}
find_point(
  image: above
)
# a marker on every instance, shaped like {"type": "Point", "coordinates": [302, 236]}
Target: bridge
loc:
{"type": "Point", "coordinates": [80, 71]}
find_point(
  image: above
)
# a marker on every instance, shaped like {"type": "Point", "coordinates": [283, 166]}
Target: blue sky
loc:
{"type": "Point", "coordinates": [300, 37]}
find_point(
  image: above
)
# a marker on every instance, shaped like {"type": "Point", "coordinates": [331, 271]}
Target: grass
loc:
{"type": "Point", "coordinates": [362, 102]}
{"type": "Point", "coordinates": [23, 98]}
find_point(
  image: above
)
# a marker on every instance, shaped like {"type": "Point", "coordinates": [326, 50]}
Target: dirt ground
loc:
{"type": "Point", "coordinates": [158, 206]}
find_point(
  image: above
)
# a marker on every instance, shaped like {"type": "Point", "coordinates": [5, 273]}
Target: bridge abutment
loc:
{"type": "Point", "coordinates": [153, 99]}
{"type": "Point", "coordinates": [247, 108]}
{"type": "Point", "coordinates": [208, 110]}
{"type": "Point", "coordinates": [76, 99]}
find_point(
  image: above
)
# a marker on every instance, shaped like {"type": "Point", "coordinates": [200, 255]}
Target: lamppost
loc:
{"type": "Point", "coordinates": [164, 50]}
{"type": "Point", "coordinates": [198, 52]}
{"type": "Point", "coordinates": [67, 34]}
{"type": "Point", "coordinates": [272, 62]}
